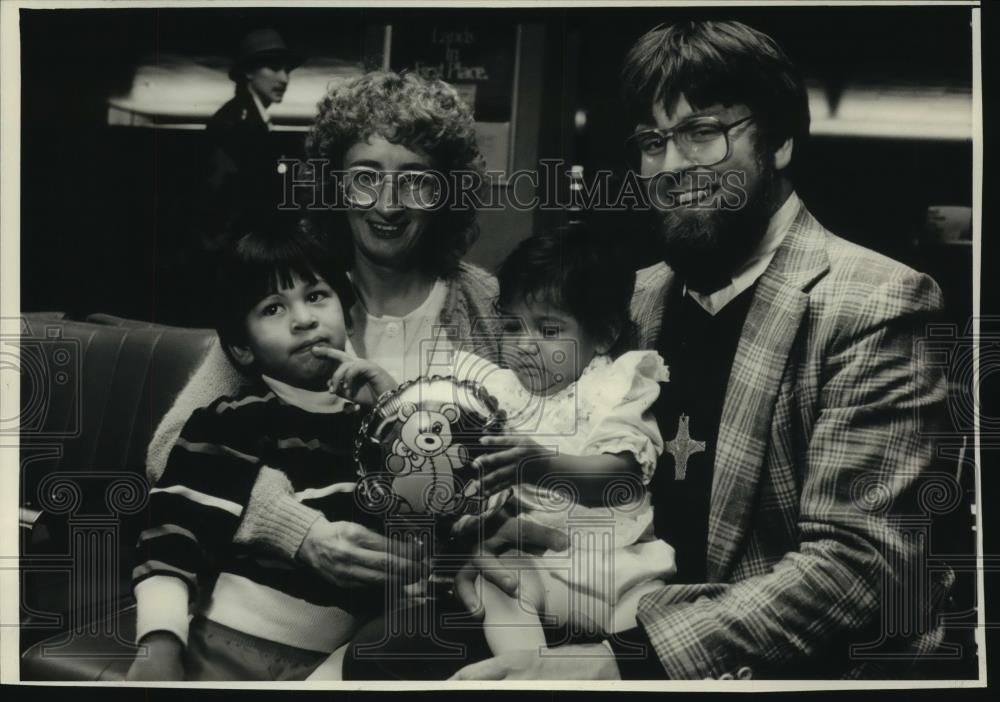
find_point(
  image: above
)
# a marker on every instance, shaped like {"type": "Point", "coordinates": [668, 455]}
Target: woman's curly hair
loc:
{"type": "Point", "coordinates": [421, 115]}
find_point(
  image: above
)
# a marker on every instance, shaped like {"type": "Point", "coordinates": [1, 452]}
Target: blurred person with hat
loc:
{"type": "Point", "coordinates": [261, 73]}
{"type": "Point", "coordinates": [244, 184]}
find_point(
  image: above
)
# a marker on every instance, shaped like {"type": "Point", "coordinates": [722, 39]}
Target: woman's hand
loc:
{"type": "Point", "coordinates": [502, 468]}
{"type": "Point", "coordinates": [356, 379]}
{"type": "Point", "coordinates": [353, 556]}
{"type": "Point", "coordinates": [164, 659]}
{"type": "Point", "coordinates": [572, 662]}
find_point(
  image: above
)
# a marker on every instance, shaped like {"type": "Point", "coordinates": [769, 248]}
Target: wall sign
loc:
{"type": "Point", "coordinates": [480, 60]}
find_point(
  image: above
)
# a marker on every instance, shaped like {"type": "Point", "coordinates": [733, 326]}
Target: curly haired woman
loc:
{"type": "Point", "coordinates": [381, 133]}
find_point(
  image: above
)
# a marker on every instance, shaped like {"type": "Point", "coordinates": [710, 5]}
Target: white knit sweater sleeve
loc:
{"type": "Point", "coordinates": [214, 378]}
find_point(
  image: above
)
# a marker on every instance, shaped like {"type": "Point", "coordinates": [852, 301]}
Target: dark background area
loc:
{"type": "Point", "coordinates": [107, 212]}
{"type": "Point", "coordinates": [106, 215]}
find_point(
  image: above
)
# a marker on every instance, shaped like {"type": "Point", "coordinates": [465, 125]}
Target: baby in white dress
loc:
{"type": "Point", "coordinates": [565, 301]}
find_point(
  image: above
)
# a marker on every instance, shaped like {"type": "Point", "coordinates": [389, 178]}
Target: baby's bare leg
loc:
{"type": "Point", "coordinates": [512, 623]}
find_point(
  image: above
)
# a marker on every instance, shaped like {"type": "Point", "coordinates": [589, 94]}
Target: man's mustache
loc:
{"type": "Point", "coordinates": [671, 189]}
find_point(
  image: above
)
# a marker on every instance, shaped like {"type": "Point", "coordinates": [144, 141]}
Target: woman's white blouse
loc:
{"type": "Point", "coordinates": [401, 345]}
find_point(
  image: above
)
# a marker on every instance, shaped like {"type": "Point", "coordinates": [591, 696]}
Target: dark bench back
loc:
{"type": "Point", "coordinates": [93, 393]}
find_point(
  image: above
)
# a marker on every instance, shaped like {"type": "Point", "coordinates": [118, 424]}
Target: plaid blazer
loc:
{"type": "Point", "coordinates": [816, 503]}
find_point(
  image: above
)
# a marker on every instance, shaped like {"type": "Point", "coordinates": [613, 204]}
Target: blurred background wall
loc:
{"type": "Point", "coordinates": [106, 214]}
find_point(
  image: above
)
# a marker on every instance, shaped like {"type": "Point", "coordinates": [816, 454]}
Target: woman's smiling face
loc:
{"type": "Point", "coordinates": [387, 233]}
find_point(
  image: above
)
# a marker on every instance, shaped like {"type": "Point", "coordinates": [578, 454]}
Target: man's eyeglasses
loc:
{"type": "Point", "coordinates": [703, 141]}
{"type": "Point", "coordinates": [412, 189]}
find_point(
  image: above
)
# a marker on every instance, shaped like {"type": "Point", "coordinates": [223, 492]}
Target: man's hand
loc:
{"type": "Point", "coordinates": [501, 468]}
{"type": "Point", "coordinates": [353, 556]}
{"type": "Point", "coordinates": [511, 536]}
{"type": "Point", "coordinates": [163, 659]}
{"type": "Point", "coordinates": [572, 662]}
{"type": "Point", "coordinates": [588, 478]}
{"type": "Point", "coordinates": [356, 379]}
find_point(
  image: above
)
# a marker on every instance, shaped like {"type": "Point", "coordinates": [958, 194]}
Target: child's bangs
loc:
{"type": "Point", "coordinates": [549, 296]}
{"type": "Point", "coordinates": [546, 294]}
{"type": "Point", "coordinates": [266, 271]}
{"type": "Point", "coordinates": [282, 277]}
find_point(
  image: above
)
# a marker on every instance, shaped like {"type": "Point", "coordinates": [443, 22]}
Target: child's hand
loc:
{"type": "Point", "coordinates": [163, 659]}
{"type": "Point", "coordinates": [500, 469]}
{"type": "Point", "coordinates": [356, 379]}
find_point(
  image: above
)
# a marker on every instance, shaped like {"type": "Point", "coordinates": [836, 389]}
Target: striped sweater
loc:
{"type": "Point", "coordinates": [273, 519]}
{"type": "Point", "coordinates": [187, 554]}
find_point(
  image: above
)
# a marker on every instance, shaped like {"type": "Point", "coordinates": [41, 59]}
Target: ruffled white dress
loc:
{"type": "Point", "coordinates": [613, 558]}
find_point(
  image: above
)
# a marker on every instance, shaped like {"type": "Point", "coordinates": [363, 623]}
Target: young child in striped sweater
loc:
{"type": "Point", "coordinates": [256, 617]}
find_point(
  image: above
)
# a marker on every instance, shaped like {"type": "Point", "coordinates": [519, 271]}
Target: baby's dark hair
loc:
{"type": "Point", "coordinates": [261, 263]}
{"type": "Point", "coordinates": [576, 270]}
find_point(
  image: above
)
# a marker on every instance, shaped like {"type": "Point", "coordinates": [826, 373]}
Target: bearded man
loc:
{"type": "Point", "coordinates": [789, 486]}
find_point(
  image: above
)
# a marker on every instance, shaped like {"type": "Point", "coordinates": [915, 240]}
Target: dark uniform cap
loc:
{"type": "Point", "coordinates": [259, 47]}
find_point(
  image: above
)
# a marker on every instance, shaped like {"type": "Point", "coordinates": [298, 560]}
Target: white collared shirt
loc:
{"type": "Point", "coordinates": [403, 346]}
{"type": "Point", "coordinates": [756, 264]}
{"type": "Point", "coordinates": [316, 401]}
{"type": "Point", "coordinates": [264, 114]}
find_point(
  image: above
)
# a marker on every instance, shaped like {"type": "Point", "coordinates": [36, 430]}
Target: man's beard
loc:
{"type": "Point", "coordinates": [705, 246]}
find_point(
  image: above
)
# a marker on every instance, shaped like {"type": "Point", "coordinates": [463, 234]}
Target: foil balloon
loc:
{"type": "Point", "coordinates": [415, 448]}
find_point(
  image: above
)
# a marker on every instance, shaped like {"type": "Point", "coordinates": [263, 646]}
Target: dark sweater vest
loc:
{"type": "Point", "coordinates": [699, 349]}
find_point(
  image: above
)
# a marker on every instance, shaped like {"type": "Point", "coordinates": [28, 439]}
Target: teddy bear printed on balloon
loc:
{"type": "Point", "coordinates": [415, 448]}
{"type": "Point", "coordinates": [425, 455]}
